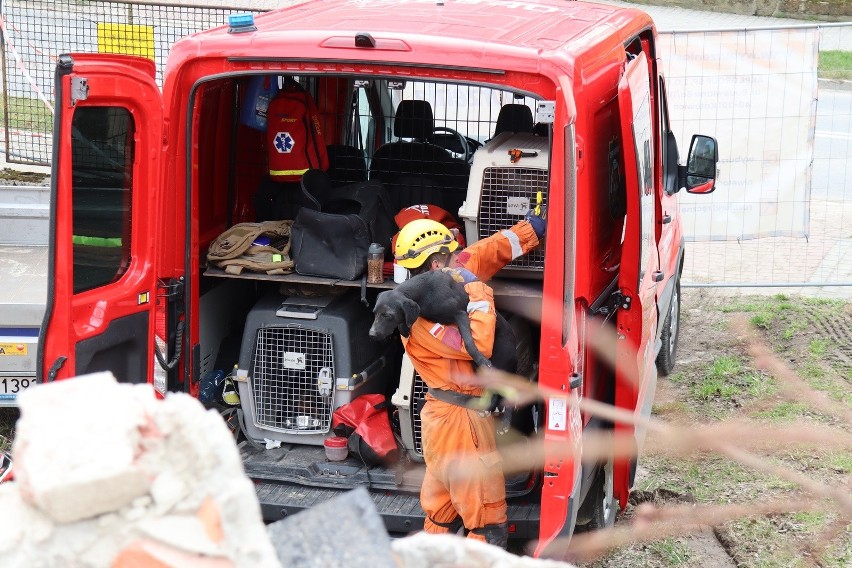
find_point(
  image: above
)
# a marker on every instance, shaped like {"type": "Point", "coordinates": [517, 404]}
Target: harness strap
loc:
{"type": "Point", "coordinates": [453, 525]}
{"type": "Point", "coordinates": [453, 397]}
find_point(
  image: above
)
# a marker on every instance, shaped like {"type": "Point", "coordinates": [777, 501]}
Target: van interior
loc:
{"type": "Point", "coordinates": [298, 344]}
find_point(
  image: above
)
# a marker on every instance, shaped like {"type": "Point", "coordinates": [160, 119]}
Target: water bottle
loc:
{"type": "Point", "coordinates": [210, 384]}
{"type": "Point", "coordinates": [375, 263]}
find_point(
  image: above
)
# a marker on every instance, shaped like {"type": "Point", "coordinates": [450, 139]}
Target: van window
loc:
{"type": "Point", "coordinates": [102, 146]}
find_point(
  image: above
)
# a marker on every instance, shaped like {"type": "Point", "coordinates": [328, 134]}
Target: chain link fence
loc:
{"type": "Point", "coordinates": [782, 211]}
{"type": "Point", "coordinates": [35, 33]}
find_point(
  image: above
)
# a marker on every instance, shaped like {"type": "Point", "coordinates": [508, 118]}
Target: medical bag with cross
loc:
{"type": "Point", "coordinates": [293, 134]}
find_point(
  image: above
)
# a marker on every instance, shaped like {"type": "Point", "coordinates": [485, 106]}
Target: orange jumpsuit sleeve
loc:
{"type": "Point", "coordinates": [486, 257]}
{"type": "Point", "coordinates": [444, 341]}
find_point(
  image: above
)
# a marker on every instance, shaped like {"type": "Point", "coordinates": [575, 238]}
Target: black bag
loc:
{"type": "Point", "coordinates": [332, 240]}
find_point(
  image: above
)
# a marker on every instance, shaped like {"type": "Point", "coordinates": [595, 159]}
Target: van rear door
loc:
{"type": "Point", "coordinates": [104, 189]}
{"type": "Point", "coordinates": [637, 319]}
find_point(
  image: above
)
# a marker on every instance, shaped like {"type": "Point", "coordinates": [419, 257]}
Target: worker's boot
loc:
{"type": "Point", "coordinates": [497, 534]}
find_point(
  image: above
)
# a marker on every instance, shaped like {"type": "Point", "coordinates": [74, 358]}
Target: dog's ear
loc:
{"type": "Point", "coordinates": [411, 311]}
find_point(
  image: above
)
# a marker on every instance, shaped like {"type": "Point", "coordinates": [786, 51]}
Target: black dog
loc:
{"type": "Point", "coordinates": [438, 297]}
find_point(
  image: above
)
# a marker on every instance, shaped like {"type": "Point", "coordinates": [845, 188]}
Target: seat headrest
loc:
{"type": "Point", "coordinates": [413, 120]}
{"type": "Point", "coordinates": [514, 118]}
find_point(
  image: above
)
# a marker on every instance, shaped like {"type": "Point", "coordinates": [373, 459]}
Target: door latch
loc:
{"type": "Point", "coordinates": [79, 89]}
{"type": "Point", "coordinates": [615, 301]}
{"type": "Point", "coordinates": [54, 369]}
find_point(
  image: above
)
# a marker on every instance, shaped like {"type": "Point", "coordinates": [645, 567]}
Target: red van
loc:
{"type": "Point", "coordinates": [483, 108]}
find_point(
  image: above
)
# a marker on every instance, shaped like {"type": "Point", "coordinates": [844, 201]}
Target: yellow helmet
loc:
{"type": "Point", "coordinates": [420, 238]}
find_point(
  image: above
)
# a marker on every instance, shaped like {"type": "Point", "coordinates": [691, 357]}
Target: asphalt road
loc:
{"type": "Point", "coordinates": [832, 146]}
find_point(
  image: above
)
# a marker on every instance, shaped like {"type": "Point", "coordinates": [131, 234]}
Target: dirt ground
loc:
{"type": "Point", "coordinates": [716, 380]}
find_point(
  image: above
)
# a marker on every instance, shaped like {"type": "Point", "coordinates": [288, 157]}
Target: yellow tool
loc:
{"type": "Point", "coordinates": [538, 201]}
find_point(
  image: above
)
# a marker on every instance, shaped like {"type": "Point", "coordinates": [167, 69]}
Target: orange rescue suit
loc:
{"type": "Point", "coordinates": [464, 476]}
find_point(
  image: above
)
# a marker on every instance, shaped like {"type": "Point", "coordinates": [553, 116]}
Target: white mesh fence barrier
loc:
{"type": "Point", "coordinates": [782, 211]}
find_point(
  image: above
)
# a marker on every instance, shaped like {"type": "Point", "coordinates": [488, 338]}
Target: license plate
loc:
{"type": "Point", "coordinates": [13, 349]}
{"type": "Point", "coordinates": [10, 387]}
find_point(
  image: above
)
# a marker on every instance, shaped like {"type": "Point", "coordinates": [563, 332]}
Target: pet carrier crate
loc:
{"type": "Point", "coordinates": [408, 400]}
{"type": "Point", "coordinates": [500, 192]}
{"type": "Point", "coordinates": [302, 358]}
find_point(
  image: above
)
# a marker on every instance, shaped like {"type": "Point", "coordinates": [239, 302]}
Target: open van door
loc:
{"type": "Point", "coordinates": [636, 373]}
{"type": "Point", "coordinates": [104, 190]}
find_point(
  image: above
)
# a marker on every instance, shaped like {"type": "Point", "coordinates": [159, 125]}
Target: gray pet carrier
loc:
{"type": "Point", "coordinates": [302, 358]}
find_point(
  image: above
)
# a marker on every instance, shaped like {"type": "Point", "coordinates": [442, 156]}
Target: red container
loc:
{"type": "Point", "coordinates": [335, 448]}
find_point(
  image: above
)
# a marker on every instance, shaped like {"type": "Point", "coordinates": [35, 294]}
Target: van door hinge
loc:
{"type": "Point", "coordinates": [79, 89]}
{"type": "Point", "coordinates": [172, 288]}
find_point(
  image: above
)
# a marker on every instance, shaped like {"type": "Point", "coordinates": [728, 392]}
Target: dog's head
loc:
{"type": "Point", "coordinates": [393, 311]}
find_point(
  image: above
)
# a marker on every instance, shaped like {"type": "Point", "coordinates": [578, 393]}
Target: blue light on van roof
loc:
{"type": "Point", "coordinates": [241, 23]}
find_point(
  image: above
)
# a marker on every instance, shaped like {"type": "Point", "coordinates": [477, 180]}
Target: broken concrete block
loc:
{"type": "Point", "coordinates": [344, 531]}
{"type": "Point", "coordinates": [422, 550]}
{"type": "Point", "coordinates": [191, 503]}
{"type": "Point", "coordinates": [181, 532]}
{"type": "Point", "coordinates": [151, 554]}
{"type": "Point", "coordinates": [75, 446]}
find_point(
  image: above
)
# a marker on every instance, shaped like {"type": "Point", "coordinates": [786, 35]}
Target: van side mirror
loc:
{"type": "Point", "coordinates": [701, 164]}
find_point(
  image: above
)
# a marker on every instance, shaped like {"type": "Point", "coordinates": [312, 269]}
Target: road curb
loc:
{"type": "Point", "coordinates": [834, 84]}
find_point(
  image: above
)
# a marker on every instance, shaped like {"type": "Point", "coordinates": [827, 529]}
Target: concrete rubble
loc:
{"type": "Point", "coordinates": [107, 474]}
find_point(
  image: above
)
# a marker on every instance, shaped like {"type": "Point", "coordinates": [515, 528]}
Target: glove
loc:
{"type": "Point", "coordinates": [497, 404]}
{"type": "Point", "coordinates": [539, 225]}
{"type": "Point", "coordinates": [462, 275]}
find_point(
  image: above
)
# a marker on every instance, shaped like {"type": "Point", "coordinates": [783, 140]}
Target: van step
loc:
{"type": "Point", "coordinates": [401, 512]}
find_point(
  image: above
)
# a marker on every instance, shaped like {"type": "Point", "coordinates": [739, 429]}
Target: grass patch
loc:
{"type": "Point", "coordinates": [717, 382]}
{"type": "Point", "coordinates": [794, 328]}
{"type": "Point", "coordinates": [817, 377]}
{"type": "Point", "coordinates": [708, 479]}
{"type": "Point", "coordinates": [820, 302]}
{"type": "Point", "coordinates": [759, 545]}
{"type": "Point", "coordinates": [841, 462]}
{"type": "Point", "coordinates": [835, 65]}
{"type": "Point", "coordinates": [809, 521]}
{"type": "Point", "coordinates": [8, 417]}
{"type": "Point", "coordinates": [811, 370]}
{"type": "Point", "coordinates": [765, 310]}
{"type": "Point", "coordinates": [726, 378]}
{"type": "Point", "coordinates": [739, 307]}
{"type": "Point", "coordinates": [784, 411]}
{"type": "Point", "coordinates": [27, 114]}
{"type": "Point", "coordinates": [673, 552]}
{"type": "Point", "coordinates": [819, 347]}
{"type": "Point", "coordinates": [763, 320]}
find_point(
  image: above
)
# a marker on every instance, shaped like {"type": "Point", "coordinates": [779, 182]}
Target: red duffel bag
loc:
{"type": "Point", "coordinates": [365, 423]}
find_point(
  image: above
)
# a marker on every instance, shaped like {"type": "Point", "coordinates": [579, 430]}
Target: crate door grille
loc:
{"type": "Point", "coordinates": [287, 362]}
{"type": "Point", "coordinates": [499, 185]}
{"type": "Point", "coordinates": [418, 391]}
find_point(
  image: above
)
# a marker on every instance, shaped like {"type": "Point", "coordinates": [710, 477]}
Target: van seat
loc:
{"type": "Point", "coordinates": [347, 164]}
{"type": "Point", "coordinates": [514, 118]}
{"type": "Point", "coordinates": [417, 171]}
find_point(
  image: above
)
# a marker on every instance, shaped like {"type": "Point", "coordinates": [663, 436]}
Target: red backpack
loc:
{"type": "Point", "coordinates": [293, 134]}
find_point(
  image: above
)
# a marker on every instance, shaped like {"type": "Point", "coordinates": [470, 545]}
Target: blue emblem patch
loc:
{"type": "Point", "coordinates": [284, 143]}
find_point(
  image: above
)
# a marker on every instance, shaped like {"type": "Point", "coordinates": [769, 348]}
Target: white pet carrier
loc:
{"type": "Point", "coordinates": [500, 191]}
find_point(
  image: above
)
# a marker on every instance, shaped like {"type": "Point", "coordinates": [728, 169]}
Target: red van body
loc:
{"type": "Point", "coordinates": [144, 180]}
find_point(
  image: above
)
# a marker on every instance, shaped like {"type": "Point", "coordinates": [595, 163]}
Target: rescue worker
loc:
{"type": "Point", "coordinates": [463, 483]}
